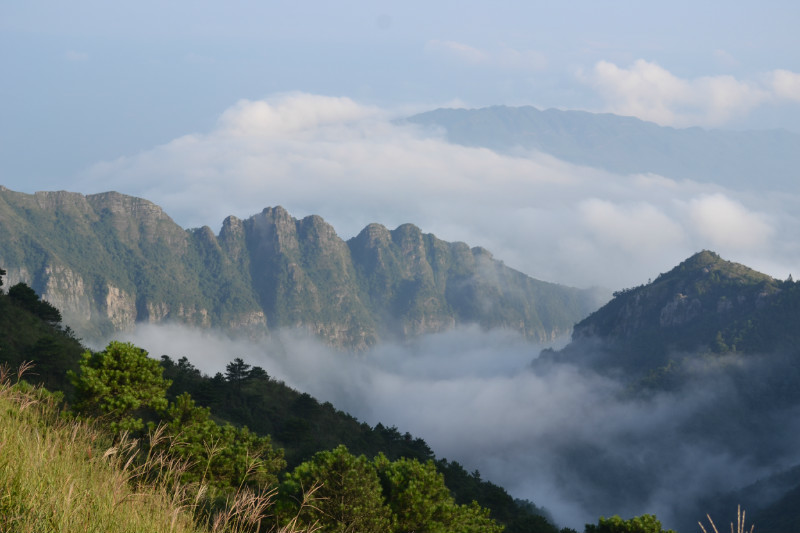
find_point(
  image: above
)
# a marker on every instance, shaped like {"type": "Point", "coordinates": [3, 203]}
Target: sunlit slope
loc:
{"type": "Point", "coordinates": [109, 261]}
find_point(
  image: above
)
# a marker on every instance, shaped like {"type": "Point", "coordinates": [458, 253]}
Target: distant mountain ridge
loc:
{"type": "Point", "coordinates": [109, 261]}
{"type": "Point", "coordinates": [627, 145]}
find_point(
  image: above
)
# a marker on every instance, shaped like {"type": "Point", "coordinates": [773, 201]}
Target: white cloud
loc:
{"type": "Point", "coordinates": [728, 224]}
{"type": "Point", "coordinates": [786, 84]}
{"type": "Point", "coordinates": [352, 165]}
{"type": "Point", "coordinates": [650, 92]}
{"type": "Point", "coordinates": [640, 228]}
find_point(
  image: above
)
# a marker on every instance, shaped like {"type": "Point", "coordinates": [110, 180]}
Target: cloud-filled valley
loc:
{"type": "Point", "coordinates": [568, 439]}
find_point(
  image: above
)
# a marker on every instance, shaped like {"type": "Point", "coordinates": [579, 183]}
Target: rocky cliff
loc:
{"type": "Point", "coordinates": [110, 261]}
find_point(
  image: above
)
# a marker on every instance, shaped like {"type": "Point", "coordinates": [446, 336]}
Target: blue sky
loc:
{"type": "Point", "coordinates": [94, 80]}
{"type": "Point", "coordinates": [143, 98]}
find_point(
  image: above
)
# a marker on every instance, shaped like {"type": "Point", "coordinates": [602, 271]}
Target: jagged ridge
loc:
{"type": "Point", "coordinates": [110, 261]}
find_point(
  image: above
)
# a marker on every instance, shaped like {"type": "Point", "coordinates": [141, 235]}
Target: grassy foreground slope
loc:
{"type": "Point", "coordinates": [63, 476]}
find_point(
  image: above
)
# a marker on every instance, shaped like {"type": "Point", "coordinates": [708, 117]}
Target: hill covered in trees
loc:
{"type": "Point", "coordinates": [291, 438]}
{"type": "Point", "coordinates": [720, 342]}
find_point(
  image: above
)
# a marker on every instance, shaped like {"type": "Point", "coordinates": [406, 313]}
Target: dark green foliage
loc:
{"type": "Point", "coordinates": [26, 336]}
{"type": "Point", "coordinates": [223, 456]}
{"type": "Point", "coordinates": [641, 524]}
{"type": "Point", "coordinates": [517, 515]}
{"type": "Point", "coordinates": [120, 384]}
{"type": "Point", "coordinates": [237, 371]}
{"type": "Point", "coordinates": [296, 421]}
{"type": "Point", "coordinates": [27, 298]}
{"type": "Point", "coordinates": [349, 496]}
{"type": "Point", "coordinates": [402, 496]}
{"type": "Point", "coordinates": [419, 500]}
{"type": "Point", "coordinates": [302, 426]}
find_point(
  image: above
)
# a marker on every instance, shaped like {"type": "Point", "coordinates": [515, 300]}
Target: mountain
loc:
{"type": "Point", "coordinates": [718, 342]}
{"type": "Point", "coordinates": [703, 305]}
{"type": "Point", "coordinates": [109, 261]}
{"type": "Point", "coordinates": [626, 144]}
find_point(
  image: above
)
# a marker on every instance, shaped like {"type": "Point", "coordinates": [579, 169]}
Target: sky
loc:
{"type": "Point", "coordinates": [212, 110]}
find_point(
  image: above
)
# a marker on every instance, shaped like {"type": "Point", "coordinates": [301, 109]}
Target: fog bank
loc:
{"type": "Point", "coordinates": [563, 437]}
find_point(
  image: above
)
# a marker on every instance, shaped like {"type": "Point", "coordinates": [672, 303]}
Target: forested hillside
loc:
{"type": "Point", "coordinates": [110, 261]}
{"type": "Point", "coordinates": [293, 438]}
{"type": "Point", "coordinates": [719, 341]}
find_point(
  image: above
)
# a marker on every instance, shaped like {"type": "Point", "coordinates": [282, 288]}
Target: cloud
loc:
{"type": "Point", "coordinates": [564, 437]}
{"type": "Point", "coordinates": [786, 84]}
{"type": "Point", "coordinates": [728, 224]}
{"type": "Point", "coordinates": [641, 227]}
{"type": "Point", "coordinates": [353, 165]}
{"type": "Point", "coordinates": [648, 91]}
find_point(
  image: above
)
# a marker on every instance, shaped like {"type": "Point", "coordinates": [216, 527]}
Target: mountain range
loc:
{"type": "Point", "coordinates": [110, 261]}
{"type": "Point", "coordinates": [627, 145]}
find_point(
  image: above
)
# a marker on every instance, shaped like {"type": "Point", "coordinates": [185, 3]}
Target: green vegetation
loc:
{"type": "Point", "coordinates": [59, 475]}
{"type": "Point", "coordinates": [705, 305]}
{"type": "Point", "coordinates": [213, 462]}
{"type": "Point", "coordinates": [641, 524]}
{"type": "Point", "coordinates": [109, 260]}
{"type": "Point", "coordinates": [118, 383]}
{"type": "Point", "coordinates": [168, 438]}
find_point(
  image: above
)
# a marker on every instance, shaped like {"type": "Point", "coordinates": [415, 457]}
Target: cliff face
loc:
{"type": "Point", "coordinates": [109, 261]}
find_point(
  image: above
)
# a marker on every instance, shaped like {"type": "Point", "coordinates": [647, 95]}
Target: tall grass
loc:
{"type": "Point", "coordinates": [740, 523]}
{"type": "Point", "coordinates": [59, 475]}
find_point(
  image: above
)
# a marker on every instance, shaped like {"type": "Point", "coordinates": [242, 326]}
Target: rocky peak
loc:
{"type": "Point", "coordinates": [373, 234]}
{"type": "Point", "coordinates": [684, 308]}
{"type": "Point", "coordinates": [123, 205]}
{"type": "Point", "coordinates": [53, 200]}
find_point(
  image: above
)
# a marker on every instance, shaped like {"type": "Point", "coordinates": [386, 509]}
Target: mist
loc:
{"type": "Point", "coordinates": [354, 164]}
{"type": "Point", "coordinates": [568, 439]}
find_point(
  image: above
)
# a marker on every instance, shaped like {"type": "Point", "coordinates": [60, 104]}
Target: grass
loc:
{"type": "Point", "coordinates": [740, 523]}
{"type": "Point", "coordinates": [59, 475]}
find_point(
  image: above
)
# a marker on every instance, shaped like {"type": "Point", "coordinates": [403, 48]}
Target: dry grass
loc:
{"type": "Point", "coordinates": [740, 523]}
{"type": "Point", "coordinates": [60, 475]}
